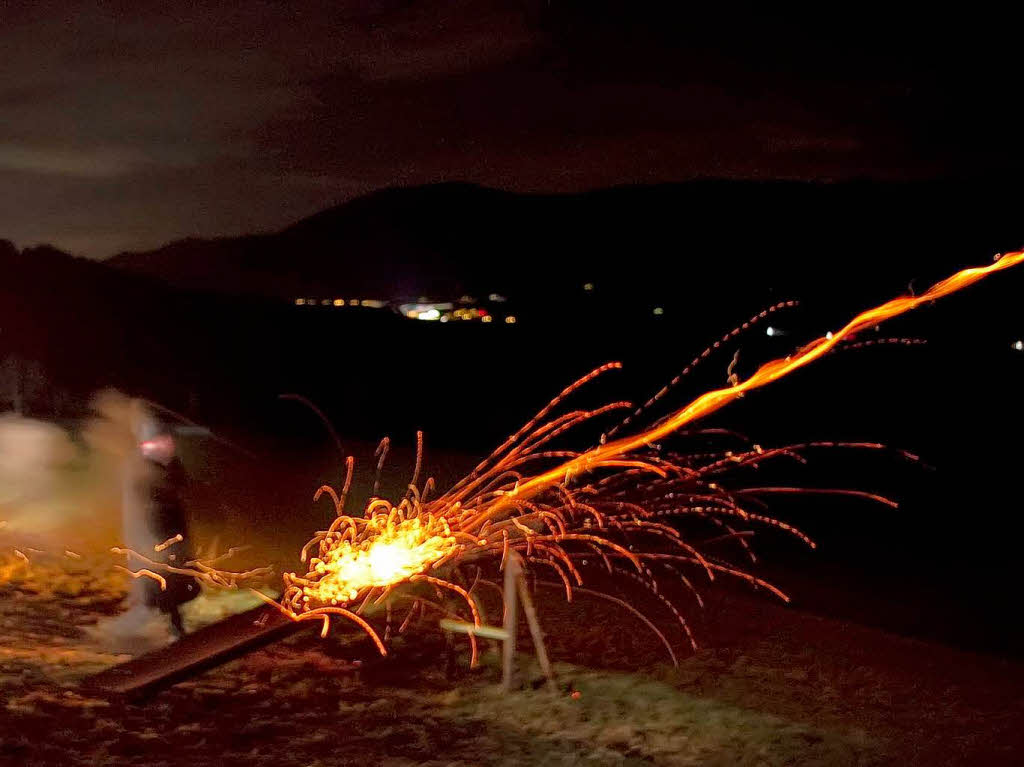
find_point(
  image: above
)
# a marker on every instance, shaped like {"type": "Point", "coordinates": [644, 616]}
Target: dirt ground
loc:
{"type": "Point", "coordinates": [772, 686]}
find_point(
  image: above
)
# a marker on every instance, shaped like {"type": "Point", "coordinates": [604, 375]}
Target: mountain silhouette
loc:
{"type": "Point", "coordinates": [702, 240]}
{"type": "Point", "coordinates": [213, 319]}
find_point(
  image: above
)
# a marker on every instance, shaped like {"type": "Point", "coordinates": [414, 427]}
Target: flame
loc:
{"type": "Point", "coordinates": [387, 553]}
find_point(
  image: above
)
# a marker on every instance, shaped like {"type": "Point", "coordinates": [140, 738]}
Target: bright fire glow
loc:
{"type": "Point", "coordinates": [389, 551]}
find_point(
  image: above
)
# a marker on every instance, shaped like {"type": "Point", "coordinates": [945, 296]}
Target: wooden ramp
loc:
{"type": "Point", "coordinates": [194, 653]}
{"type": "Point", "coordinates": [241, 634]}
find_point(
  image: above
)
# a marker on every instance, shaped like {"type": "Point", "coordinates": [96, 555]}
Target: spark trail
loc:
{"type": "Point", "coordinates": [769, 372]}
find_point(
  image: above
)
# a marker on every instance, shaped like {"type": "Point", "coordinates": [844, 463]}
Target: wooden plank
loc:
{"type": "Point", "coordinates": [487, 632]}
{"type": "Point", "coordinates": [197, 652]}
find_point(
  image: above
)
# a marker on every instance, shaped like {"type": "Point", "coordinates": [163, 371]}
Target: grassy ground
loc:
{"type": "Point", "coordinates": [771, 685]}
{"type": "Point", "coordinates": [310, 702]}
{"type": "Point", "coordinates": [775, 687]}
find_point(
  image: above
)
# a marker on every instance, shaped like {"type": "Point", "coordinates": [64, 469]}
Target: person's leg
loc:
{"type": "Point", "coordinates": [142, 609]}
{"type": "Point", "coordinates": [176, 625]}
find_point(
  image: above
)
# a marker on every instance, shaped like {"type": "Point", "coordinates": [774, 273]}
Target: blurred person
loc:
{"type": "Point", "coordinates": [153, 481]}
{"type": "Point", "coordinates": [154, 512]}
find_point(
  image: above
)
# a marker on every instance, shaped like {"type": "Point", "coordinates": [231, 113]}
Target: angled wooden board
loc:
{"type": "Point", "coordinates": [194, 653]}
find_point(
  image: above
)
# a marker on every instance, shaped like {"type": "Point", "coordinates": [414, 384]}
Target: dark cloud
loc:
{"type": "Point", "coordinates": [126, 125]}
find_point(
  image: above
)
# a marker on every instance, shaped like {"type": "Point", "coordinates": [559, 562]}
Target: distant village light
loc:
{"type": "Point", "coordinates": [658, 311]}
{"type": "Point", "coordinates": [300, 301]}
{"type": "Point", "coordinates": [1019, 346]}
{"type": "Point", "coordinates": [413, 311]}
{"type": "Point", "coordinates": [588, 286]}
{"type": "Point", "coordinates": [339, 301]}
{"type": "Point", "coordinates": [510, 320]}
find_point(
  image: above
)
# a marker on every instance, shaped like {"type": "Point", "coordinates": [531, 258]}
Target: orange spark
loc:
{"type": "Point", "coordinates": [169, 542]}
{"type": "Point", "coordinates": [145, 573]}
{"type": "Point", "coordinates": [391, 552]}
{"type": "Point", "coordinates": [202, 569]}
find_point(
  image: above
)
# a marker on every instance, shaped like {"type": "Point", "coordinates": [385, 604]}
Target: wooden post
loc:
{"type": "Point", "coordinates": [535, 632]}
{"type": "Point", "coordinates": [512, 576]}
{"type": "Point", "coordinates": [515, 592]}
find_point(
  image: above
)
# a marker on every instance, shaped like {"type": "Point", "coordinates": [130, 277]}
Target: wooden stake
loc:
{"type": "Point", "coordinates": [535, 632]}
{"type": "Point", "coordinates": [513, 573]}
{"type": "Point", "coordinates": [515, 592]}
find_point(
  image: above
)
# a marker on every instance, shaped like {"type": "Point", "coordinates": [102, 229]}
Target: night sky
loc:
{"type": "Point", "coordinates": [125, 125]}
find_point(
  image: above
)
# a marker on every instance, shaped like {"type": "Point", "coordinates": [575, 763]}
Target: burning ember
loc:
{"type": "Point", "coordinates": [390, 550]}
{"type": "Point", "coordinates": [567, 513]}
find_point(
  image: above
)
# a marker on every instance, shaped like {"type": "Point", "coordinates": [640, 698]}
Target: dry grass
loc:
{"type": "Point", "coordinates": [621, 718]}
{"type": "Point", "coordinates": [308, 702]}
{"type": "Point", "coordinates": [781, 688]}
